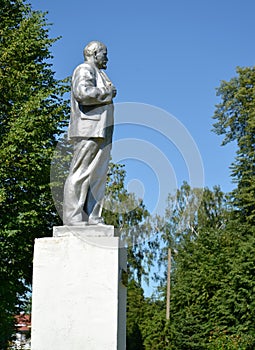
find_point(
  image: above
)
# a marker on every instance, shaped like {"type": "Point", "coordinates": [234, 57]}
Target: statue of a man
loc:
{"type": "Point", "coordinates": [90, 130]}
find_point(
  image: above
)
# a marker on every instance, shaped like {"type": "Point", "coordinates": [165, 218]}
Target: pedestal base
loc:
{"type": "Point", "coordinates": [79, 300]}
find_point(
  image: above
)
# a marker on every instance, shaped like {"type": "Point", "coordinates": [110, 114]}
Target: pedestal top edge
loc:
{"type": "Point", "coordinates": [86, 231]}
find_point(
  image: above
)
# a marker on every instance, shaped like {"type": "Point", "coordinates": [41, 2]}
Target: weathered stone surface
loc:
{"type": "Point", "coordinates": [78, 297]}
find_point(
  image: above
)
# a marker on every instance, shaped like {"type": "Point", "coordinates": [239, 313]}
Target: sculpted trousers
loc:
{"type": "Point", "coordinates": [85, 186]}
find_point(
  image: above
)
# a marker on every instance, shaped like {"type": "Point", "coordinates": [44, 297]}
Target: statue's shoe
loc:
{"type": "Point", "coordinates": [96, 221]}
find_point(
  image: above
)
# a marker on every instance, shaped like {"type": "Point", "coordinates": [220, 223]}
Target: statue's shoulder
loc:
{"type": "Point", "coordinates": [83, 67]}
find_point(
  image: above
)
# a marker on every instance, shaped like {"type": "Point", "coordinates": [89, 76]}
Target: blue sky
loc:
{"type": "Point", "coordinates": [169, 54]}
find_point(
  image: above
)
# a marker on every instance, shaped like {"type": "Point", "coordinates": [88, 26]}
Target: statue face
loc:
{"type": "Point", "coordinates": [101, 58]}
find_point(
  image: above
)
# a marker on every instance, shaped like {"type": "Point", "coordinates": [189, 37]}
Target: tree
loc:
{"type": "Point", "coordinates": [135, 314]}
{"type": "Point", "coordinates": [194, 219]}
{"type": "Point", "coordinates": [156, 330]}
{"type": "Point", "coordinates": [212, 283]}
{"type": "Point", "coordinates": [32, 115]}
{"type": "Point", "coordinates": [235, 116]}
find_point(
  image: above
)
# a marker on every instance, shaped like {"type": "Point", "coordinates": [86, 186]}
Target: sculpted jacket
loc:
{"type": "Point", "coordinates": [91, 103]}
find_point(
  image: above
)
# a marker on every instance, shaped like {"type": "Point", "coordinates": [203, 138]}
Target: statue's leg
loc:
{"type": "Point", "coordinates": [77, 183]}
{"type": "Point", "coordinates": [97, 182]}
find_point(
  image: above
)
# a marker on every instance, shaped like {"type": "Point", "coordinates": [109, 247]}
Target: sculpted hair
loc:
{"type": "Point", "coordinates": [92, 47]}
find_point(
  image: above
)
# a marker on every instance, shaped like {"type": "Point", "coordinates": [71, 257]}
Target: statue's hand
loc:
{"type": "Point", "coordinates": [114, 91]}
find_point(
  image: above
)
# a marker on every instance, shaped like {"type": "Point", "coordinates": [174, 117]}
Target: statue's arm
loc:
{"type": "Point", "coordinates": [85, 90]}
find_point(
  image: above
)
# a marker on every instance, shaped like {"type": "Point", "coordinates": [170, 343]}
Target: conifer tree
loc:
{"type": "Point", "coordinates": [235, 116]}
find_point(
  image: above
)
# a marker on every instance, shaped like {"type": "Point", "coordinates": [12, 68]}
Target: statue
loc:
{"type": "Point", "coordinates": [90, 130]}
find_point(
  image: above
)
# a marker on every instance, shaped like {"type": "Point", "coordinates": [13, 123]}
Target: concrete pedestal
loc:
{"type": "Point", "coordinates": [79, 299]}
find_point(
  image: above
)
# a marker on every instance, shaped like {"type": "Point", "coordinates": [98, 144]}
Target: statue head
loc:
{"type": "Point", "coordinates": [96, 52]}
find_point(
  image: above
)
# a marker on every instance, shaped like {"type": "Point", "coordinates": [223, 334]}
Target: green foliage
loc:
{"type": "Point", "coordinates": [135, 308]}
{"type": "Point", "coordinates": [220, 340]}
{"type": "Point", "coordinates": [147, 328]}
{"type": "Point", "coordinates": [236, 121]}
{"type": "Point", "coordinates": [156, 329]}
{"type": "Point", "coordinates": [187, 212]}
{"type": "Point", "coordinates": [212, 276]}
{"type": "Point", "coordinates": [32, 114]}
